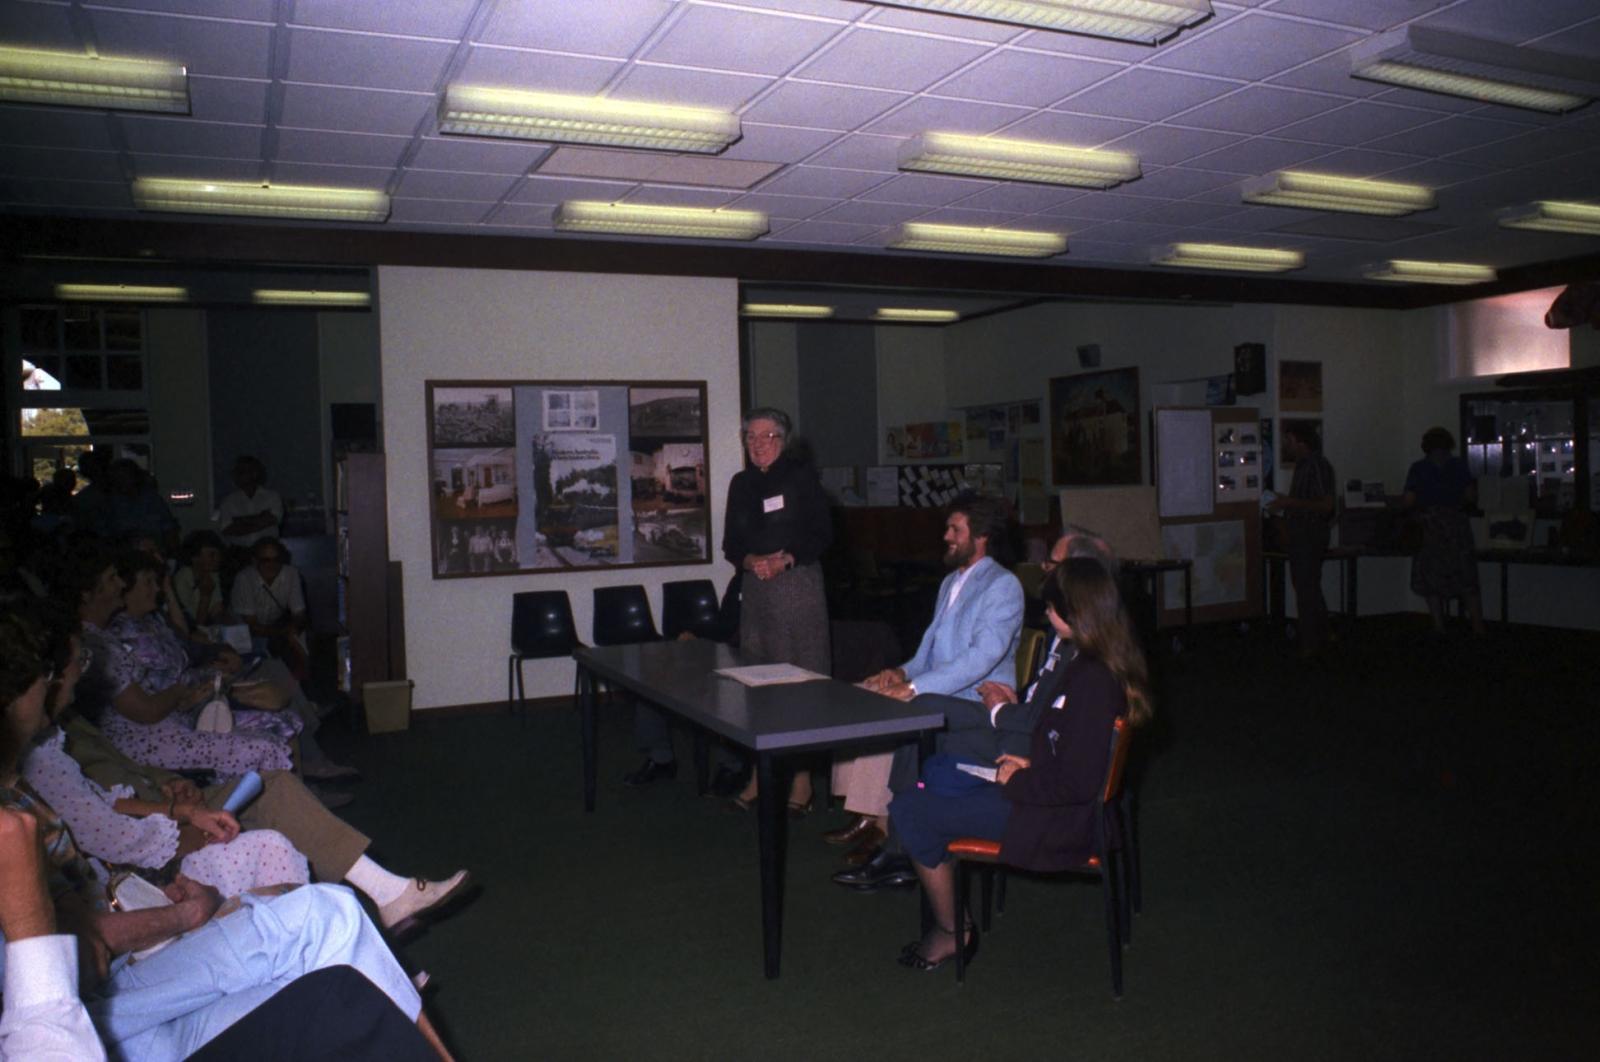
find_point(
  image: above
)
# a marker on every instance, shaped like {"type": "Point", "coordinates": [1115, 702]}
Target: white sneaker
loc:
{"type": "Point", "coordinates": [420, 897]}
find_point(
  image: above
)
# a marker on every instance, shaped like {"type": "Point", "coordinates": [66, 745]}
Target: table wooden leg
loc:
{"type": "Point", "coordinates": [586, 726]}
{"type": "Point", "coordinates": [770, 830]}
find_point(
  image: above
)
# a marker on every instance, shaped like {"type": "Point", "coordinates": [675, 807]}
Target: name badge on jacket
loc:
{"type": "Point", "coordinates": [772, 504]}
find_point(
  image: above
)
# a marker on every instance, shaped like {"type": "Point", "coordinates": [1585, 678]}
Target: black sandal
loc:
{"type": "Point", "coordinates": [911, 958]}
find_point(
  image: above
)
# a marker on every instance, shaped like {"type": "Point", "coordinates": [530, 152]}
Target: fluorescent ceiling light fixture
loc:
{"type": "Point", "coordinates": [1228, 256]}
{"type": "Point", "coordinates": [1148, 21]}
{"type": "Point", "coordinates": [1412, 271]}
{"type": "Point", "coordinates": [1320, 191]}
{"type": "Point", "coordinates": [1434, 60]}
{"type": "Point", "coordinates": [260, 200]}
{"type": "Point", "coordinates": [784, 309]}
{"type": "Point", "coordinates": [474, 110]}
{"type": "Point", "coordinates": [309, 297]}
{"type": "Point", "coordinates": [1018, 160]}
{"type": "Point", "coordinates": [640, 219]}
{"type": "Point", "coordinates": [72, 79]}
{"type": "Point", "coordinates": [120, 293]}
{"type": "Point", "coordinates": [1552, 216]}
{"type": "Point", "coordinates": [905, 314]}
{"type": "Point", "coordinates": [967, 239]}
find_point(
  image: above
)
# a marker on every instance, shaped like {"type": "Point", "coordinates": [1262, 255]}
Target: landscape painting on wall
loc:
{"type": "Point", "coordinates": [1094, 428]}
{"type": "Point", "coordinates": [566, 475]}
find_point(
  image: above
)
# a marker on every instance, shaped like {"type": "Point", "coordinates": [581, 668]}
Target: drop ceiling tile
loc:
{"type": "Point", "coordinates": [1260, 155]}
{"type": "Point", "coordinates": [1356, 124]}
{"type": "Point", "coordinates": [688, 88]}
{"type": "Point", "coordinates": [1257, 109]}
{"type": "Point", "coordinates": [30, 25]}
{"type": "Point", "coordinates": [614, 28]}
{"type": "Point", "coordinates": [1359, 227]}
{"type": "Point", "coordinates": [1445, 136]}
{"type": "Point", "coordinates": [55, 127]}
{"type": "Point", "coordinates": [821, 232]}
{"type": "Point", "coordinates": [927, 113]}
{"type": "Point", "coordinates": [1439, 102]}
{"type": "Point", "coordinates": [57, 163]}
{"type": "Point", "coordinates": [557, 190]}
{"type": "Point", "coordinates": [858, 212]}
{"type": "Point", "coordinates": [215, 99]}
{"type": "Point", "coordinates": [1167, 145]}
{"type": "Point", "coordinates": [1435, 173]}
{"type": "Point", "coordinates": [199, 169]}
{"type": "Point", "coordinates": [438, 211]}
{"type": "Point", "coordinates": [671, 195]}
{"type": "Point", "coordinates": [340, 149]}
{"type": "Point", "coordinates": [861, 151]}
{"type": "Point", "coordinates": [1538, 146]}
{"type": "Point", "coordinates": [247, 10]}
{"type": "Point", "coordinates": [745, 41]}
{"type": "Point", "coordinates": [925, 189]}
{"type": "Point", "coordinates": [1184, 214]}
{"type": "Point", "coordinates": [819, 181]}
{"type": "Point", "coordinates": [1100, 206]}
{"type": "Point", "coordinates": [96, 194]}
{"type": "Point", "coordinates": [1260, 219]}
{"type": "Point", "coordinates": [473, 155]}
{"type": "Point", "coordinates": [1131, 232]}
{"type": "Point", "coordinates": [1033, 79]}
{"type": "Point", "coordinates": [204, 45]}
{"type": "Point", "coordinates": [185, 136]}
{"type": "Point", "coordinates": [880, 59]}
{"type": "Point", "coordinates": [520, 215]}
{"type": "Point", "coordinates": [1176, 182]}
{"type": "Point", "coordinates": [536, 71]}
{"type": "Point", "coordinates": [778, 143]}
{"type": "Point", "coordinates": [442, 184]}
{"type": "Point", "coordinates": [1362, 162]}
{"type": "Point", "coordinates": [822, 106]}
{"type": "Point", "coordinates": [1013, 198]}
{"type": "Point", "coordinates": [973, 29]}
{"type": "Point", "coordinates": [413, 18]}
{"type": "Point", "coordinates": [1098, 47]}
{"type": "Point", "coordinates": [334, 57]}
{"type": "Point", "coordinates": [1511, 20]}
{"type": "Point", "coordinates": [354, 110]}
{"type": "Point", "coordinates": [1234, 49]}
{"type": "Point", "coordinates": [329, 176]}
{"type": "Point", "coordinates": [790, 207]}
{"type": "Point", "coordinates": [1374, 15]}
{"type": "Point", "coordinates": [1330, 75]}
{"type": "Point", "coordinates": [991, 219]}
{"type": "Point", "coordinates": [1076, 130]}
{"type": "Point", "coordinates": [843, 10]}
{"type": "Point", "coordinates": [1091, 250]}
{"type": "Point", "coordinates": [1148, 95]}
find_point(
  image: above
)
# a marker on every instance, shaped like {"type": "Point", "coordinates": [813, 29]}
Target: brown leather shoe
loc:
{"type": "Point", "coordinates": [871, 844]}
{"type": "Point", "coordinates": [852, 833]}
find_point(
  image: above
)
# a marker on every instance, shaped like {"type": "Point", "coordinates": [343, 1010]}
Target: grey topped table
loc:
{"type": "Point", "coordinates": [770, 721]}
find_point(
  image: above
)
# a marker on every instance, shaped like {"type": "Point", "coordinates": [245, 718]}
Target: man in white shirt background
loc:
{"type": "Point", "coordinates": [253, 511]}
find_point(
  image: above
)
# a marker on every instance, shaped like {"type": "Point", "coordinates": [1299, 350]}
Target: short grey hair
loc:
{"type": "Point", "coordinates": [1083, 542]}
{"type": "Point", "coordinates": [777, 416]}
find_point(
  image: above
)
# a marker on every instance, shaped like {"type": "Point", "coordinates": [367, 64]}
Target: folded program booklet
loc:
{"type": "Point", "coordinates": [769, 674]}
{"type": "Point", "coordinates": [988, 774]}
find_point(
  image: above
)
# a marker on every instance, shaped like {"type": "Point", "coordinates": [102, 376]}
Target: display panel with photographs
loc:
{"type": "Point", "coordinates": [564, 475]}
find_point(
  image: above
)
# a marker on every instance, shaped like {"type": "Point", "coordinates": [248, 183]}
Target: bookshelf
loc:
{"type": "Point", "coordinates": [361, 539]}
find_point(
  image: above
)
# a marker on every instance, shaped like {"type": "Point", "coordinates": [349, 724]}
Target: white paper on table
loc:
{"type": "Point", "coordinates": [768, 674]}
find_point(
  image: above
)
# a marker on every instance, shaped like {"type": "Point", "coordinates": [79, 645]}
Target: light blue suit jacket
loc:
{"type": "Point", "coordinates": [976, 640]}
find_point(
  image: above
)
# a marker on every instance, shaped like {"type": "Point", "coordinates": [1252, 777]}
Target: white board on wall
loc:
{"type": "Point", "coordinates": [1184, 471]}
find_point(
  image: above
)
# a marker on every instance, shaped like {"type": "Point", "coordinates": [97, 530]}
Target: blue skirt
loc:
{"type": "Point", "coordinates": [926, 822]}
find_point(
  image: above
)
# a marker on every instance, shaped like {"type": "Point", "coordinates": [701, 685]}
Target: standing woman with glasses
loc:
{"type": "Point", "coordinates": [776, 527]}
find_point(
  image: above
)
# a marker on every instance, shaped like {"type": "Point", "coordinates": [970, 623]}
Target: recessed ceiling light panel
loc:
{"type": "Point", "coordinates": [966, 239]}
{"type": "Point", "coordinates": [120, 293]}
{"type": "Point", "coordinates": [1553, 216]}
{"type": "Point", "coordinates": [1228, 256]}
{"type": "Point", "coordinates": [908, 315]}
{"type": "Point", "coordinates": [1321, 191]}
{"type": "Point", "coordinates": [1146, 21]}
{"type": "Point", "coordinates": [641, 219]}
{"type": "Point", "coordinates": [1411, 271]}
{"type": "Point", "coordinates": [260, 200]}
{"type": "Point", "coordinates": [474, 110]}
{"type": "Point", "coordinates": [1018, 160]}
{"type": "Point", "coordinates": [785, 309]}
{"type": "Point", "coordinates": [1435, 60]}
{"type": "Point", "coordinates": [308, 297]}
{"type": "Point", "coordinates": [74, 80]}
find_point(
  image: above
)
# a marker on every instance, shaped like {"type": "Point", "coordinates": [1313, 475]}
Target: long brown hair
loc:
{"type": "Point", "coordinates": [1083, 594]}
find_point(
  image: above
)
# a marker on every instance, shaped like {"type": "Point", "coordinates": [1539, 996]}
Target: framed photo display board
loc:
{"type": "Point", "coordinates": [530, 476]}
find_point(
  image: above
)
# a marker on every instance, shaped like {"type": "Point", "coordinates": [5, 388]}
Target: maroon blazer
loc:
{"type": "Point", "coordinates": [1054, 801]}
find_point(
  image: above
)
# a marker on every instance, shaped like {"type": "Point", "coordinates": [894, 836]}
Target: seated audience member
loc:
{"type": "Point", "coordinates": [216, 962]}
{"type": "Point", "coordinates": [972, 640]}
{"type": "Point", "coordinates": [253, 511]}
{"type": "Point", "coordinates": [91, 505]}
{"type": "Point", "coordinates": [268, 597]}
{"type": "Point", "coordinates": [130, 815]}
{"type": "Point", "coordinates": [43, 1018]}
{"type": "Point", "coordinates": [1041, 805]}
{"type": "Point", "coordinates": [149, 700]}
{"type": "Point", "coordinates": [135, 506]}
{"type": "Point", "coordinates": [197, 585]}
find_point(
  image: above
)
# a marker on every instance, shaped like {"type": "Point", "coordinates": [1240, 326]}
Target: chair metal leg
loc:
{"type": "Point", "coordinates": [1113, 920]}
{"type": "Point", "coordinates": [1130, 845]}
{"type": "Point", "coordinates": [986, 894]}
{"type": "Point", "coordinates": [961, 919]}
{"type": "Point", "coordinates": [1000, 890]}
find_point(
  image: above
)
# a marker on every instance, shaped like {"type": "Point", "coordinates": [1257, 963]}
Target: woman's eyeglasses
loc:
{"type": "Point", "coordinates": [762, 436]}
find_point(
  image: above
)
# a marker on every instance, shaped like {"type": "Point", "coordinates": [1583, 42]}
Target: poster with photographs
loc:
{"type": "Point", "coordinates": [564, 475]}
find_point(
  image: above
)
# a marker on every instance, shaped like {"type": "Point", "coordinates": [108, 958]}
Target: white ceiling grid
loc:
{"type": "Point", "coordinates": [343, 92]}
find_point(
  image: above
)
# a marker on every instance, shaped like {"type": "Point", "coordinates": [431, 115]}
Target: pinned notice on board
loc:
{"type": "Point", "coordinates": [1184, 469]}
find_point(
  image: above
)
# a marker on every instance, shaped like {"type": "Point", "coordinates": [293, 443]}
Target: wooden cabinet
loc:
{"type": "Point", "coordinates": [361, 529]}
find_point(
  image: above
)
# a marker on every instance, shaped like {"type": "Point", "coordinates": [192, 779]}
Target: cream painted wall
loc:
{"type": "Point", "coordinates": [773, 351]}
{"type": "Point", "coordinates": [911, 381]}
{"type": "Point", "coordinates": [491, 324]}
{"type": "Point", "coordinates": [178, 384]}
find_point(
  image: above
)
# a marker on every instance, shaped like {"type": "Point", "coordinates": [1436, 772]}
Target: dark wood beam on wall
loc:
{"type": "Point", "coordinates": [203, 242]}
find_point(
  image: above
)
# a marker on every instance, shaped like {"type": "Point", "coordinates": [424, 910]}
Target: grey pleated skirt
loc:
{"type": "Point", "coordinates": [785, 619]}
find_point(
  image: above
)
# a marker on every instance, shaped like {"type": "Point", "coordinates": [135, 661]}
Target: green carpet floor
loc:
{"type": "Point", "coordinates": [1391, 855]}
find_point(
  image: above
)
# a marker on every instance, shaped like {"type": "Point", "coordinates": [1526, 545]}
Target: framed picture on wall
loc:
{"type": "Point", "coordinates": [1094, 428]}
{"type": "Point", "coordinates": [543, 476]}
{"type": "Point", "coordinates": [1300, 387]}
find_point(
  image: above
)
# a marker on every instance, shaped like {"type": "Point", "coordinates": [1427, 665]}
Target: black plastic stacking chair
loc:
{"type": "Point", "coordinates": [622, 616]}
{"type": "Point", "coordinates": [541, 628]}
{"type": "Point", "coordinates": [690, 605]}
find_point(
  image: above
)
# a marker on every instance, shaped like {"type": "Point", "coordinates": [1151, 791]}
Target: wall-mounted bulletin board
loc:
{"type": "Point", "coordinates": [530, 476]}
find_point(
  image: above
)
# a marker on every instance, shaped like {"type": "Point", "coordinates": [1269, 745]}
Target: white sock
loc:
{"type": "Point", "coordinates": [382, 886]}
